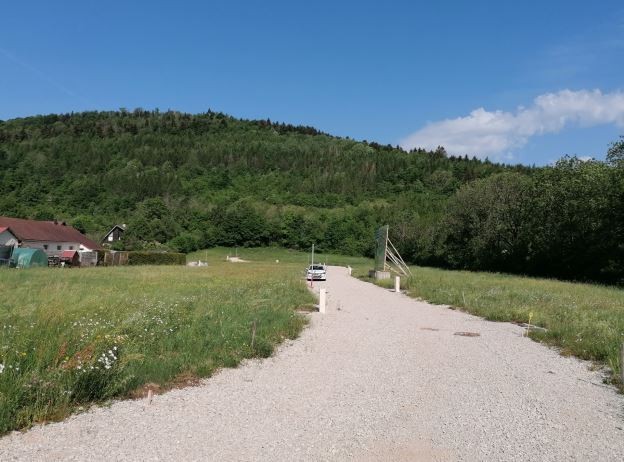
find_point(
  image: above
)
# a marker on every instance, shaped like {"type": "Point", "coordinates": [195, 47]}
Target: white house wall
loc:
{"type": "Point", "coordinates": [53, 247]}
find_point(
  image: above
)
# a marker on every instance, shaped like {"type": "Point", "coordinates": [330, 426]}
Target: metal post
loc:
{"type": "Point", "coordinates": [397, 284]}
{"type": "Point", "coordinates": [322, 300]}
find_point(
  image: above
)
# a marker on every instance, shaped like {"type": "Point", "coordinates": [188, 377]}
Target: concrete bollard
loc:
{"type": "Point", "coordinates": [322, 300]}
{"type": "Point", "coordinates": [397, 284]}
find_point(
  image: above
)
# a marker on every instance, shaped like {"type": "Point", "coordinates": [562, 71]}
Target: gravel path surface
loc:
{"type": "Point", "coordinates": [379, 377]}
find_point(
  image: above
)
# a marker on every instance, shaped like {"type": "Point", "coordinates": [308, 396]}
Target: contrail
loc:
{"type": "Point", "coordinates": [42, 75]}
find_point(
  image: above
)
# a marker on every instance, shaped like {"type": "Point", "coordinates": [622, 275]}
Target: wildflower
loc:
{"type": "Point", "coordinates": [1, 368]}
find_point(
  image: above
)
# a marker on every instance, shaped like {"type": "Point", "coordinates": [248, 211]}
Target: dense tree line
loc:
{"type": "Point", "coordinates": [193, 181]}
{"type": "Point", "coordinates": [563, 221]}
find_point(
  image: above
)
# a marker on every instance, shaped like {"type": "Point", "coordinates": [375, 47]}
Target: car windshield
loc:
{"type": "Point", "coordinates": [317, 267]}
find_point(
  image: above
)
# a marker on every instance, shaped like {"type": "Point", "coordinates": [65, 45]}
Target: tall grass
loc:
{"type": "Point", "coordinates": [72, 337]}
{"type": "Point", "coordinates": [583, 320]}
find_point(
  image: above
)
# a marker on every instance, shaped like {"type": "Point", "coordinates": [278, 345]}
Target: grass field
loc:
{"type": "Point", "coordinates": [70, 337]}
{"type": "Point", "coordinates": [73, 337]}
{"type": "Point", "coordinates": [583, 320]}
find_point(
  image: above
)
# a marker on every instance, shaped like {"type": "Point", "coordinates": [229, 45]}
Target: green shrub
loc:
{"type": "Point", "coordinates": [156, 258]}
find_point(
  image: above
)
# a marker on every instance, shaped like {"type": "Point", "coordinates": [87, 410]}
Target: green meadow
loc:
{"type": "Point", "coordinates": [73, 337]}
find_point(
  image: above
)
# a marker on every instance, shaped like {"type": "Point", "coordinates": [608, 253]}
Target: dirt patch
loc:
{"type": "Point", "coordinates": [407, 452]}
{"type": "Point", "coordinates": [307, 309]}
{"type": "Point", "coordinates": [183, 380]}
{"type": "Point", "coordinates": [468, 334]}
{"type": "Point", "coordinates": [144, 390]}
{"type": "Point", "coordinates": [237, 260]}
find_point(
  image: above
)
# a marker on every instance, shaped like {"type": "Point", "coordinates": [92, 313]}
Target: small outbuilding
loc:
{"type": "Point", "coordinates": [115, 234]}
{"type": "Point", "coordinates": [88, 258]}
{"type": "Point", "coordinates": [28, 258]}
{"type": "Point", "coordinates": [70, 258]}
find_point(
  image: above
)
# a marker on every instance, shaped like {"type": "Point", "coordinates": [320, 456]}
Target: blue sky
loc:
{"type": "Point", "coordinates": [548, 75]}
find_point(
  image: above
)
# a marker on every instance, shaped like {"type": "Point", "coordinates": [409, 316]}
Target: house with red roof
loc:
{"type": "Point", "coordinates": [53, 237]}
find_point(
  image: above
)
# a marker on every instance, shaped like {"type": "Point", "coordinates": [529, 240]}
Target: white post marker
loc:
{"type": "Point", "coordinates": [397, 284]}
{"type": "Point", "coordinates": [350, 269]}
{"type": "Point", "coordinates": [322, 300]}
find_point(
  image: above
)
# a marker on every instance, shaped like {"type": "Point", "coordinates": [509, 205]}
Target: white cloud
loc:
{"type": "Point", "coordinates": [484, 133]}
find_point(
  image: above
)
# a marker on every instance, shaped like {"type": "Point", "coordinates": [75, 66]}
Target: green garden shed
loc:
{"type": "Point", "coordinates": [28, 258]}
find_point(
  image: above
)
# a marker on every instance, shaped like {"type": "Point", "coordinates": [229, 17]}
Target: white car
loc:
{"type": "Point", "coordinates": [316, 273]}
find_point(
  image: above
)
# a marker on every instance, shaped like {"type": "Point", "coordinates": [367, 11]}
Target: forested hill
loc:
{"type": "Point", "coordinates": [193, 181]}
{"type": "Point", "coordinates": [96, 169]}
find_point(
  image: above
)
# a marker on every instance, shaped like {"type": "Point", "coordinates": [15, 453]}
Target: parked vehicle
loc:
{"type": "Point", "coordinates": [316, 273]}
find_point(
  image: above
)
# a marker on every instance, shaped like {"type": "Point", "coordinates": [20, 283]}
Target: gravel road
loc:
{"type": "Point", "coordinates": [379, 377]}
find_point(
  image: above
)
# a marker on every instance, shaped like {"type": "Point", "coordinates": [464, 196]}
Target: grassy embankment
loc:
{"type": "Point", "coordinates": [583, 320]}
{"type": "Point", "coordinates": [72, 337]}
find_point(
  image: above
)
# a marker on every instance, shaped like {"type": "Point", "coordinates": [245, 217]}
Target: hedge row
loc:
{"type": "Point", "coordinates": [156, 258]}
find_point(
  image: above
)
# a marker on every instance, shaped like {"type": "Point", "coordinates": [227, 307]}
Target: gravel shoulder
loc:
{"type": "Point", "coordinates": [379, 377]}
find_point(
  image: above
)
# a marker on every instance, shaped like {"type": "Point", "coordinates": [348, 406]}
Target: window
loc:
{"type": "Point", "coordinates": [110, 237]}
{"type": "Point", "coordinates": [71, 247]}
{"type": "Point", "coordinates": [58, 247]}
{"type": "Point", "coordinates": [45, 246]}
